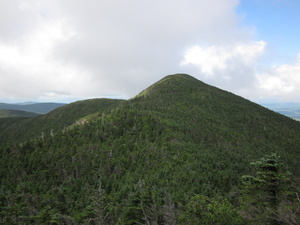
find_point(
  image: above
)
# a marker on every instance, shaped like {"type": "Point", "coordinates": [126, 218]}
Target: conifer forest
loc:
{"type": "Point", "coordinates": [180, 152]}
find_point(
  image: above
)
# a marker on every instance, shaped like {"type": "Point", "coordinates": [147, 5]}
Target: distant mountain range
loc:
{"type": "Point", "coordinates": [290, 109]}
{"type": "Point", "coordinates": [39, 108]}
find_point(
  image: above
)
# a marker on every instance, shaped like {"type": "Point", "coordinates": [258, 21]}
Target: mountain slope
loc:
{"type": "Point", "coordinates": [19, 130]}
{"type": "Point", "coordinates": [145, 159]}
{"type": "Point", "coordinates": [4, 113]}
{"type": "Point", "coordinates": [193, 103]}
{"type": "Point", "coordinates": [39, 108]}
{"type": "Point", "coordinates": [217, 119]}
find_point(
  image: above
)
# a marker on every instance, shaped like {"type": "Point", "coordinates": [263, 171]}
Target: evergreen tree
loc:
{"type": "Point", "coordinates": [268, 197]}
{"type": "Point", "coordinates": [204, 210]}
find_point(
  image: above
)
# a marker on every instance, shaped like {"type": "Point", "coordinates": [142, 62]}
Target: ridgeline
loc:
{"type": "Point", "coordinates": [17, 130]}
{"type": "Point", "coordinates": [5, 113]}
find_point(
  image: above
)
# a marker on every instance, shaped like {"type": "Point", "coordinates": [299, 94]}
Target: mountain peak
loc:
{"type": "Point", "coordinates": [180, 142]}
{"type": "Point", "coordinates": [171, 82]}
{"type": "Point", "coordinates": [178, 76]}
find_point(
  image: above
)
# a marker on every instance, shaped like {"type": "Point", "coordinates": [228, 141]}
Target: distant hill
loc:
{"type": "Point", "coordinates": [39, 108]}
{"type": "Point", "coordinates": [15, 113]}
{"type": "Point", "coordinates": [290, 109]}
{"type": "Point", "coordinates": [174, 154]}
{"type": "Point", "coordinates": [22, 129]}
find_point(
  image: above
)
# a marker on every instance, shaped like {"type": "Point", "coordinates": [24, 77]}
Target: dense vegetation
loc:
{"type": "Point", "coordinates": [21, 129]}
{"type": "Point", "coordinates": [4, 113]}
{"type": "Point", "coordinates": [174, 154]}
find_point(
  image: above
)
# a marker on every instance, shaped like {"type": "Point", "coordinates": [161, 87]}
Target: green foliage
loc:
{"type": "Point", "coordinates": [139, 161]}
{"type": "Point", "coordinates": [204, 210]}
{"type": "Point", "coordinates": [269, 197]}
{"type": "Point", "coordinates": [23, 129]}
{"type": "Point", "coordinates": [4, 113]}
{"type": "Point", "coordinates": [268, 179]}
{"type": "Point", "coordinates": [47, 216]}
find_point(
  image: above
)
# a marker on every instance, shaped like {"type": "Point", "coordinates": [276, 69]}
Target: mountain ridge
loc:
{"type": "Point", "coordinates": [4, 113]}
{"type": "Point", "coordinates": [23, 129]}
{"type": "Point", "coordinates": [175, 140]}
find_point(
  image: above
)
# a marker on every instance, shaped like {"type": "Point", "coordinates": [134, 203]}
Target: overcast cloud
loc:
{"type": "Point", "coordinates": [58, 50]}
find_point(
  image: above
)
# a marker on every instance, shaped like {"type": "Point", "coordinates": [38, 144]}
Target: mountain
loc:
{"type": "Point", "coordinates": [26, 103]}
{"type": "Point", "coordinates": [39, 108]}
{"type": "Point", "coordinates": [15, 113]}
{"type": "Point", "coordinates": [22, 129]}
{"type": "Point", "coordinates": [173, 154]}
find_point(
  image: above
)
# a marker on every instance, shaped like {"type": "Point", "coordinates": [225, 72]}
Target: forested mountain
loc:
{"type": "Point", "coordinates": [33, 107]}
{"type": "Point", "coordinates": [174, 154]}
{"type": "Point", "coordinates": [4, 113]}
{"type": "Point", "coordinates": [21, 129]}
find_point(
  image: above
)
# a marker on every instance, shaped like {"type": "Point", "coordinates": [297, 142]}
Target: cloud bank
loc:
{"type": "Point", "coordinates": [282, 82]}
{"type": "Point", "coordinates": [55, 50]}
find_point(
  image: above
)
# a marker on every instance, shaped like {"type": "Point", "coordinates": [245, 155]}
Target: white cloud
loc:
{"type": "Point", "coordinates": [81, 49]}
{"type": "Point", "coordinates": [129, 45]}
{"type": "Point", "coordinates": [34, 49]}
{"type": "Point", "coordinates": [29, 69]}
{"type": "Point", "coordinates": [281, 82]}
{"type": "Point", "coordinates": [230, 67]}
{"type": "Point", "coordinates": [239, 68]}
{"type": "Point", "coordinates": [216, 60]}
{"type": "Point", "coordinates": [102, 48]}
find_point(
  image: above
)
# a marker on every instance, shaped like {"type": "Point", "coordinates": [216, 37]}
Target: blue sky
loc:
{"type": "Point", "coordinates": [275, 21]}
{"type": "Point", "coordinates": [61, 51]}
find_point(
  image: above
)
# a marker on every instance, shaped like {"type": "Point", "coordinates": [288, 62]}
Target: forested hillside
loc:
{"type": "Point", "coordinates": [21, 129]}
{"type": "Point", "coordinates": [4, 113]}
{"type": "Point", "coordinates": [177, 153]}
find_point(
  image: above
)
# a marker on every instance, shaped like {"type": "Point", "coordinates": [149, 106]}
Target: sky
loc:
{"type": "Point", "coordinates": [66, 50]}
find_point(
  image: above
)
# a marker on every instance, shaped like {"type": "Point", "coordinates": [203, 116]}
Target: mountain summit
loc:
{"type": "Point", "coordinates": [143, 160]}
{"type": "Point", "coordinates": [177, 81]}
